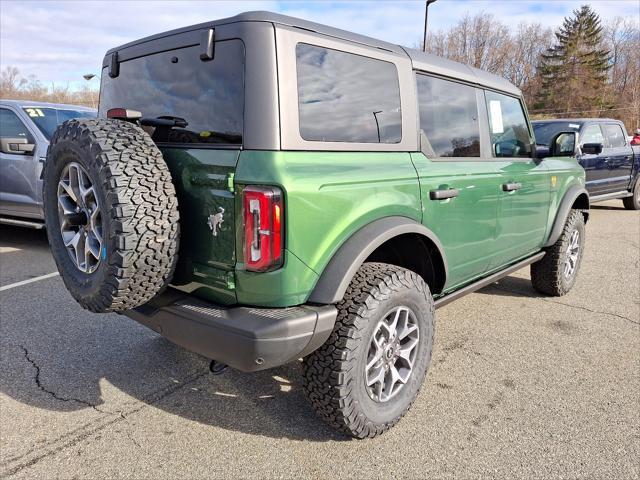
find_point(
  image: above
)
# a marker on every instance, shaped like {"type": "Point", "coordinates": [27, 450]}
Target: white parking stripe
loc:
{"type": "Point", "coordinates": [8, 249]}
{"type": "Point", "coordinates": [31, 280]}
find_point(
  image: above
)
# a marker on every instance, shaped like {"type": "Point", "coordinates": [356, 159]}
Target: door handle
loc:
{"type": "Point", "coordinates": [443, 194]}
{"type": "Point", "coordinates": [511, 187]}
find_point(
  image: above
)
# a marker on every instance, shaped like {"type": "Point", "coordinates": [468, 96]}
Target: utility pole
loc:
{"type": "Point", "coordinates": [426, 15]}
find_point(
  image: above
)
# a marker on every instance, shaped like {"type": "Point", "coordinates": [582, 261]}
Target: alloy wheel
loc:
{"type": "Point", "coordinates": [80, 217]}
{"type": "Point", "coordinates": [392, 354]}
{"type": "Point", "coordinates": [572, 255]}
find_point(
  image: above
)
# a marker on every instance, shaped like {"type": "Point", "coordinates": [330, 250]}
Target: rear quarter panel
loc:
{"type": "Point", "coordinates": [328, 197]}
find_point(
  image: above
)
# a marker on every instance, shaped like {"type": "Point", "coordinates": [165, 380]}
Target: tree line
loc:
{"type": "Point", "coordinates": [584, 68]}
{"type": "Point", "coordinates": [14, 86]}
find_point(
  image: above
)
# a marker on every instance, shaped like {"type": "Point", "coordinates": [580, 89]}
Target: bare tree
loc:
{"type": "Point", "coordinates": [515, 54]}
{"type": "Point", "coordinates": [15, 86]}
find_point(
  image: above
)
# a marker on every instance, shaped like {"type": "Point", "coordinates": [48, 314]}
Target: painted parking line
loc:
{"type": "Point", "coordinates": [9, 249]}
{"type": "Point", "coordinates": [31, 280]}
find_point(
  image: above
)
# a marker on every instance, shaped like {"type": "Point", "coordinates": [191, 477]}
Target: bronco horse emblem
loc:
{"type": "Point", "coordinates": [215, 221]}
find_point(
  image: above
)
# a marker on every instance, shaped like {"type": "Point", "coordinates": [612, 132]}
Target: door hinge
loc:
{"type": "Point", "coordinates": [230, 182]}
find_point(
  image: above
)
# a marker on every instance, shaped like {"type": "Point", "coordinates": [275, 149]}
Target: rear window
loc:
{"type": "Point", "coordinates": [207, 96]}
{"type": "Point", "coordinates": [343, 97]}
{"type": "Point", "coordinates": [47, 119]}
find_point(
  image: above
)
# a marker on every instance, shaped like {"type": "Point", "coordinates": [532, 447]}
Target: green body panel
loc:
{"type": "Point", "coordinates": [523, 213]}
{"type": "Point", "coordinates": [329, 196]}
{"type": "Point", "coordinates": [466, 224]}
{"type": "Point", "coordinates": [206, 262]}
{"type": "Point", "coordinates": [564, 172]}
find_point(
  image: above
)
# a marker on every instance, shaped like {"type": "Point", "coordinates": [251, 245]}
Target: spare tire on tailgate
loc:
{"type": "Point", "coordinates": [111, 213]}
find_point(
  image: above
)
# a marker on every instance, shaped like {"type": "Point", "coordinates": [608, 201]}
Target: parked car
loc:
{"type": "Point", "coordinates": [25, 130]}
{"type": "Point", "coordinates": [261, 189]}
{"type": "Point", "coordinates": [611, 163]}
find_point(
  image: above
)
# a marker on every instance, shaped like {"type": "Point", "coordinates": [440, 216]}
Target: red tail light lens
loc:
{"type": "Point", "coordinates": [123, 114]}
{"type": "Point", "coordinates": [263, 216]}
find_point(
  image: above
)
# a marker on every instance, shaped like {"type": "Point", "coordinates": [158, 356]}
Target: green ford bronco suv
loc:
{"type": "Point", "coordinates": [261, 189]}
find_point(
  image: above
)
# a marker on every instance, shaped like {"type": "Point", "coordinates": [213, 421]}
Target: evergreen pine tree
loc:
{"type": "Point", "coordinates": [574, 71]}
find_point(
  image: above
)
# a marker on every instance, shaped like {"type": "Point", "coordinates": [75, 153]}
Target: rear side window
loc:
{"type": "Point", "coordinates": [343, 97]}
{"type": "Point", "coordinates": [614, 135]}
{"type": "Point", "coordinates": [508, 126]}
{"type": "Point", "coordinates": [448, 118]}
{"type": "Point", "coordinates": [207, 96]}
{"type": "Point", "coordinates": [592, 134]}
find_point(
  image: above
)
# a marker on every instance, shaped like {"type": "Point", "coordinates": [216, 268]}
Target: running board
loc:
{"type": "Point", "coordinates": [610, 196]}
{"type": "Point", "coordinates": [442, 301]}
{"type": "Point", "coordinates": [21, 223]}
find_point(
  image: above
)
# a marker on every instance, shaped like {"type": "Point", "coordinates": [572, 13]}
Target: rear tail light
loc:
{"type": "Point", "coordinates": [263, 217]}
{"type": "Point", "coordinates": [123, 114]}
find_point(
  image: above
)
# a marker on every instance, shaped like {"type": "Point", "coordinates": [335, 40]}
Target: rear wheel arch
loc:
{"type": "Point", "coordinates": [400, 241]}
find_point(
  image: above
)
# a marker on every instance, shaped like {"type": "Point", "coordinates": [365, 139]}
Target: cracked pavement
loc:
{"type": "Point", "coordinates": [519, 386]}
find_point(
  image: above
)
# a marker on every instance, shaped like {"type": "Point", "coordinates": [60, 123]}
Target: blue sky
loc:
{"type": "Point", "coordinates": [59, 41]}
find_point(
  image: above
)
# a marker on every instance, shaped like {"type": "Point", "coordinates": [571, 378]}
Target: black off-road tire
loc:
{"type": "Point", "coordinates": [139, 209]}
{"type": "Point", "coordinates": [633, 202]}
{"type": "Point", "coordinates": [547, 274]}
{"type": "Point", "coordinates": [334, 375]}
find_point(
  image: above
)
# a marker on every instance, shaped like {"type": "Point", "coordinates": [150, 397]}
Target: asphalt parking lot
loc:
{"type": "Point", "coordinates": [520, 386]}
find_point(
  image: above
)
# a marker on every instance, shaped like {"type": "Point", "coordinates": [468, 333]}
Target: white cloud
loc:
{"type": "Point", "coordinates": [58, 41]}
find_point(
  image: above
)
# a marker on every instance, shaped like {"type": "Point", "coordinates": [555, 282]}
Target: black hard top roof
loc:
{"type": "Point", "coordinates": [420, 60]}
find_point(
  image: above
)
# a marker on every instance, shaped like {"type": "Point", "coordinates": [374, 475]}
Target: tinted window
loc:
{"type": "Point", "coordinates": [11, 126]}
{"type": "Point", "coordinates": [208, 96]}
{"type": "Point", "coordinates": [614, 135]}
{"type": "Point", "coordinates": [47, 119]}
{"type": "Point", "coordinates": [507, 126]}
{"type": "Point", "coordinates": [448, 118]}
{"type": "Point", "coordinates": [544, 131]}
{"type": "Point", "coordinates": [592, 134]}
{"type": "Point", "coordinates": [344, 97]}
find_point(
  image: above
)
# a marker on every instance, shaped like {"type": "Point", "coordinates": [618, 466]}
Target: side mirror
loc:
{"type": "Point", "coordinates": [16, 146]}
{"type": "Point", "coordinates": [592, 148]}
{"type": "Point", "coordinates": [563, 144]}
{"type": "Point", "coordinates": [541, 151]}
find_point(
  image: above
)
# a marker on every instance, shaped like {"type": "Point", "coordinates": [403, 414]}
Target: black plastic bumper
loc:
{"type": "Point", "coordinates": [245, 338]}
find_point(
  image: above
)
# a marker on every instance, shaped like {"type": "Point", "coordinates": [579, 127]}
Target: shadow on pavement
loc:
{"type": "Point", "coordinates": [607, 207]}
{"type": "Point", "coordinates": [58, 357]}
{"type": "Point", "coordinates": [511, 287]}
{"type": "Point", "coordinates": [18, 237]}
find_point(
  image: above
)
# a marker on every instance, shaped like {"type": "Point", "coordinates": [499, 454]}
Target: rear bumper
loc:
{"type": "Point", "coordinates": [245, 338]}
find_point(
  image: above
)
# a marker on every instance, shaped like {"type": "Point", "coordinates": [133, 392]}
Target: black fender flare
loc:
{"type": "Point", "coordinates": [564, 209]}
{"type": "Point", "coordinates": [344, 264]}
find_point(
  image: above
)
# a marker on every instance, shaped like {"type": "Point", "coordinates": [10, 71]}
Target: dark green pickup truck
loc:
{"type": "Point", "coordinates": [261, 189]}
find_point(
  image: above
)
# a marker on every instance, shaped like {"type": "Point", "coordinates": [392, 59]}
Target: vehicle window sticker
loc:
{"type": "Point", "coordinates": [495, 110]}
{"type": "Point", "coordinates": [34, 112]}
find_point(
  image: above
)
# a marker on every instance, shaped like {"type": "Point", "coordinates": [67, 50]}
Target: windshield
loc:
{"type": "Point", "coordinates": [47, 119]}
{"type": "Point", "coordinates": [544, 131]}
